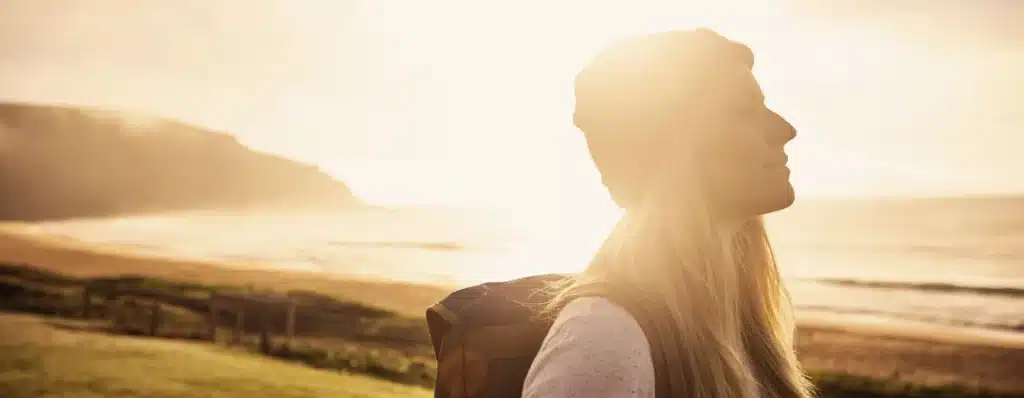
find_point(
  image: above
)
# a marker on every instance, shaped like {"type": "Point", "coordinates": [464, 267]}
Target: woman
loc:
{"type": "Point", "coordinates": [684, 298]}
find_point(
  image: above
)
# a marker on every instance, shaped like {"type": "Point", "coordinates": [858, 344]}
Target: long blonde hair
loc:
{"type": "Point", "coordinates": [719, 283]}
{"type": "Point", "coordinates": [723, 293]}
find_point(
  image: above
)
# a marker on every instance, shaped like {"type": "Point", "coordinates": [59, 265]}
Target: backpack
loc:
{"type": "Point", "coordinates": [486, 336]}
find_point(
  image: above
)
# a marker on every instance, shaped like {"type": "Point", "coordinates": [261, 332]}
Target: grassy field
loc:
{"type": "Point", "coordinates": [370, 328]}
{"type": "Point", "coordinates": [330, 333]}
{"type": "Point", "coordinates": [39, 360]}
{"type": "Point", "coordinates": [71, 356]}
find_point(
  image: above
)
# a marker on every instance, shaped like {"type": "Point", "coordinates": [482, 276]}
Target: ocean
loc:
{"type": "Point", "coordinates": [957, 261]}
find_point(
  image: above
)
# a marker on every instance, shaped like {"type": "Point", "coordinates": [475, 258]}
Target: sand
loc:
{"type": "Point", "coordinates": [916, 352]}
{"type": "Point", "coordinates": [911, 354]}
{"type": "Point", "coordinates": [91, 260]}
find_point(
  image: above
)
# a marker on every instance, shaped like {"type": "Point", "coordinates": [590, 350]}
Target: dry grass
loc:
{"type": "Point", "coordinates": [845, 364]}
{"type": "Point", "coordinates": [918, 361]}
{"type": "Point", "coordinates": [40, 361]}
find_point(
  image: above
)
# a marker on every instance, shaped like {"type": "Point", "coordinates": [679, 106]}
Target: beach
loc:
{"type": "Point", "coordinates": [908, 352]}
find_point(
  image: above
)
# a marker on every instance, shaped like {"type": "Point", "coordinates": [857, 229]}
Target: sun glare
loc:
{"type": "Point", "coordinates": [493, 80]}
{"type": "Point", "coordinates": [468, 103]}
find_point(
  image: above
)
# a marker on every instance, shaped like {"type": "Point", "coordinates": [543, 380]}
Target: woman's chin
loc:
{"type": "Point", "coordinates": [788, 196]}
{"type": "Point", "coordinates": [771, 199]}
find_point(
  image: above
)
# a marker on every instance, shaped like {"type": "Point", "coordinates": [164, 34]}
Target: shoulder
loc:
{"type": "Point", "coordinates": [599, 319]}
{"type": "Point", "coordinates": [595, 348]}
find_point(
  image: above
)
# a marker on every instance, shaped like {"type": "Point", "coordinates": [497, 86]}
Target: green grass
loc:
{"type": "Point", "coordinates": [334, 337]}
{"type": "Point", "coordinates": [331, 333]}
{"type": "Point", "coordinates": [39, 361]}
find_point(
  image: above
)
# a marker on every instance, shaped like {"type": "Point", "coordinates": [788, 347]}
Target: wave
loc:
{"type": "Point", "coordinates": [1013, 327]}
{"type": "Point", "coordinates": [925, 286]}
{"type": "Point", "coordinates": [438, 246]}
{"type": "Point", "coordinates": [980, 250]}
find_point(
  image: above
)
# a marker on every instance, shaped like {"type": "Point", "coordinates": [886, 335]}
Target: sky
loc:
{"type": "Point", "coordinates": [469, 102]}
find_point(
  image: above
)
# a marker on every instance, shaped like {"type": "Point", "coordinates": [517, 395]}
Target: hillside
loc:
{"type": "Point", "coordinates": [38, 359]}
{"type": "Point", "coordinates": [64, 162]}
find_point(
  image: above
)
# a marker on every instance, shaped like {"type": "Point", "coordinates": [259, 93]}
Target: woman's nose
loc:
{"type": "Point", "coordinates": [782, 131]}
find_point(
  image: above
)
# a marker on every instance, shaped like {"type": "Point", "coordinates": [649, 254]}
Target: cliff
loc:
{"type": "Point", "coordinates": [64, 162]}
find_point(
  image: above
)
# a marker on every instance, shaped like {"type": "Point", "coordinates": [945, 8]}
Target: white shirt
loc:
{"type": "Point", "coordinates": [594, 349]}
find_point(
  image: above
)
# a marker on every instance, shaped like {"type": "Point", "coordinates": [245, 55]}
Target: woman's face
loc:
{"type": "Point", "coordinates": [740, 145]}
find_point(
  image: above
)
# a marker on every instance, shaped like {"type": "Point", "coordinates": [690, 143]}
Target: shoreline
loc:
{"type": "Point", "coordinates": [837, 344]}
{"type": "Point", "coordinates": [119, 260]}
{"type": "Point", "coordinates": [79, 259]}
{"type": "Point", "coordinates": [878, 326]}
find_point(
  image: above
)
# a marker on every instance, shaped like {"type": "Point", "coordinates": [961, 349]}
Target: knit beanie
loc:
{"type": "Point", "coordinates": [631, 96]}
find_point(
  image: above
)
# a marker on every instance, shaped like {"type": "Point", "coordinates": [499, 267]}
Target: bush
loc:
{"type": "Point", "coordinates": [368, 362]}
{"type": "Point", "coordinates": [847, 386]}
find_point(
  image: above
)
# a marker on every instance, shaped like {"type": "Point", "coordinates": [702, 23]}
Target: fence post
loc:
{"type": "Point", "coordinates": [154, 320]}
{"type": "Point", "coordinates": [264, 334]}
{"type": "Point", "coordinates": [290, 323]}
{"type": "Point", "coordinates": [86, 302]}
{"type": "Point", "coordinates": [212, 319]}
{"type": "Point", "coordinates": [239, 325]}
{"type": "Point", "coordinates": [118, 308]}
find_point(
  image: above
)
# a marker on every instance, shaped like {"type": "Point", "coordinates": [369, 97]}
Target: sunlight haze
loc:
{"type": "Point", "coordinates": [303, 197]}
{"type": "Point", "coordinates": [469, 102]}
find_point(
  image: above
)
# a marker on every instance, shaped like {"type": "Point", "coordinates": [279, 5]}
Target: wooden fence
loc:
{"type": "Point", "coordinates": [260, 306]}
